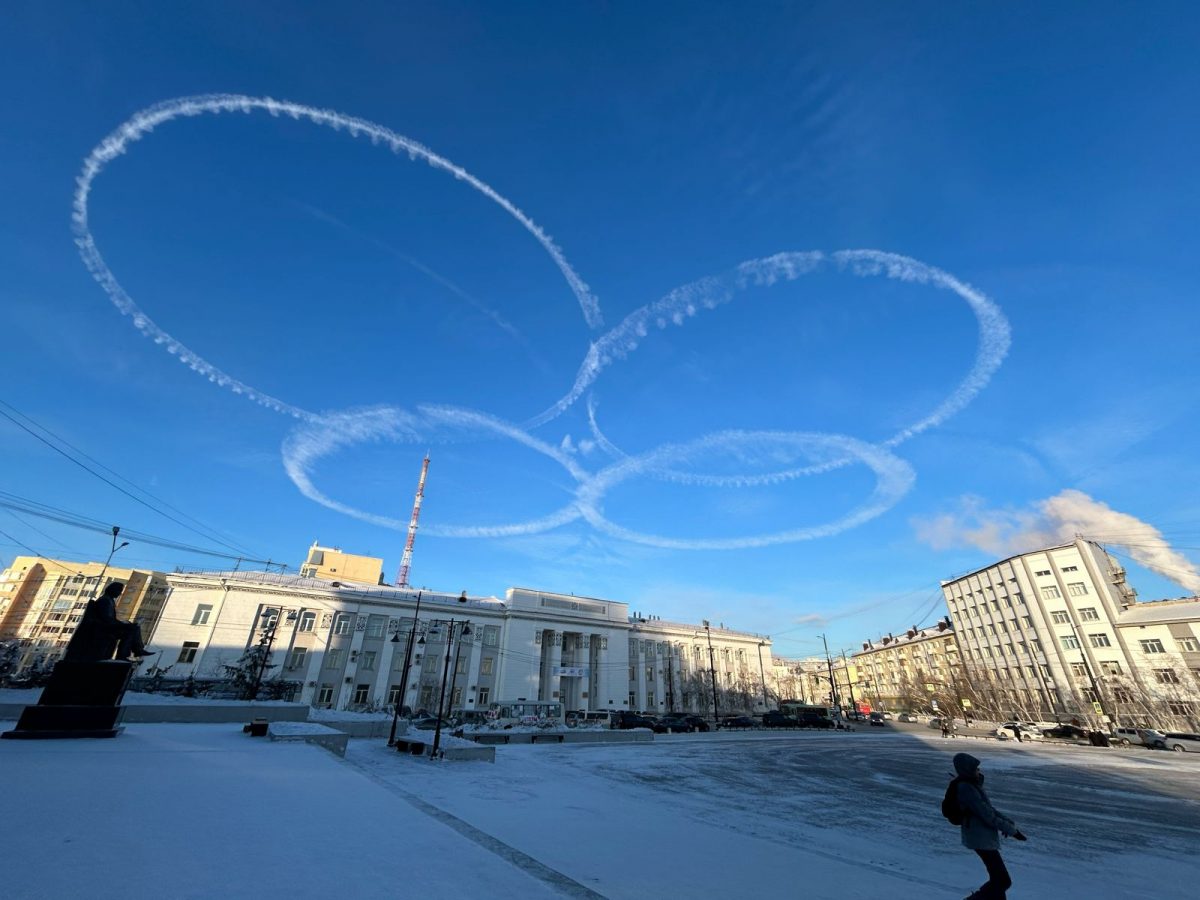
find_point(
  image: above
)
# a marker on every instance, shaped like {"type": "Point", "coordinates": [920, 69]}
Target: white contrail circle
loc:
{"type": "Point", "coordinates": [894, 478]}
{"type": "Point", "coordinates": [145, 121]}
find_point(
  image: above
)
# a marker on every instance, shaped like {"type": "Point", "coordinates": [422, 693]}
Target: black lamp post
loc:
{"type": "Point", "coordinates": [437, 734]}
{"type": "Point", "coordinates": [116, 529]}
{"type": "Point", "coordinates": [762, 673]}
{"type": "Point", "coordinates": [712, 671]}
{"type": "Point", "coordinates": [404, 674]}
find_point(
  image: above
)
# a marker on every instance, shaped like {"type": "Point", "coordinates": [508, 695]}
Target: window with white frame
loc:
{"type": "Point", "coordinates": [367, 659]}
{"type": "Point", "coordinates": [1050, 592]}
{"type": "Point", "coordinates": [1070, 642]}
{"type": "Point", "coordinates": [296, 658]}
{"type": "Point", "coordinates": [1099, 639]}
{"type": "Point", "coordinates": [1166, 676]}
{"type": "Point", "coordinates": [1070, 568]}
{"type": "Point", "coordinates": [484, 695]}
{"type": "Point", "coordinates": [1059, 617]}
{"type": "Point", "coordinates": [1042, 572]}
{"type": "Point", "coordinates": [1079, 670]}
{"type": "Point", "coordinates": [334, 658]}
{"type": "Point", "coordinates": [1188, 644]}
{"type": "Point", "coordinates": [341, 624]}
{"type": "Point", "coordinates": [325, 695]}
{"type": "Point", "coordinates": [308, 621]}
{"type": "Point", "coordinates": [376, 625]}
{"type": "Point", "coordinates": [486, 665]}
{"type": "Point", "coordinates": [1089, 614]}
{"type": "Point", "coordinates": [632, 700]}
{"type": "Point", "coordinates": [1077, 589]}
{"type": "Point", "coordinates": [362, 693]}
{"type": "Point", "coordinates": [203, 611]}
{"type": "Point", "coordinates": [491, 635]}
{"type": "Point", "coordinates": [1153, 645]}
{"type": "Point", "coordinates": [188, 653]}
{"type": "Point", "coordinates": [1111, 667]}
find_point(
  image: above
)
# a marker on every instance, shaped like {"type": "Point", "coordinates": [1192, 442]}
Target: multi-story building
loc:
{"type": "Point", "coordinates": [332, 564]}
{"type": "Point", "coordinates": [42, 599]}
{"type": "Point", "coordinates": [917, 671]}
{"type": "Point", "coordinates": [1047, 635]}
{"type": "Point", "coordinates": [347, 642]}
{"type": "Point", "coordinates": [1162, 686]}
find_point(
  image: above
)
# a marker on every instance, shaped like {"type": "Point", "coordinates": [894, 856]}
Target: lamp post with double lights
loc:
{"type": "Point", "coordinates": [712, 671]}
{"type": "Point", "coordinates": [465, 630]}
{"type": "Point", "coordinates": [412, 634]}
{"type": "Point", "coordinates": [762, 673]}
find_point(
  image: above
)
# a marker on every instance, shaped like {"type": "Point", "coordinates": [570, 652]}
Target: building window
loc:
{"type": "Point", "coordinates": [333, 659]}
{"type": "Point", "coordinates": [1111, 667]}
{"type": "Point", "coordinates": [366, 661]}
{"type": "Point", "coordinates": [649, 674]}
{"type": "Point", "coordinates": [486, 664]}
{"type": "Point", "coordinates": [188, 653]}
{"type": "Point", "coordinates": [1166, 676]}
{"type": "Point", "coordinates": [633, 673]}
{"type": "Point", "coordinates": [203, 611]}
{"type": "Point", "coordinates": [491, 635]}
{"type": "Point", "coordinates": [361, 693]}
{"type": "Point", "coordinates": [1050, 593]}
{"type": "Point", "coordinates": [1079, 670]}
{"type": "Point", "coordinates": [296, 657]}
{"type": "Point", "coordinates": [460, 666]}
{"type": "Point", "coordinates": [1189, 645]}
{"type": "Point", "coordinates": [485, 694]}
{"type": "Point", "coordinates": [1070, 568]}
{"type": "Point", "coordinates": [632, 700]}
{"type": "Point", "coordinates": [1077, 589]}
{"type": "Point", "coordinates": [1089, 614]}
{"type": "Point", "coordinates": [376, 626]}
{"type": "Point", "coordinates": [1090, 695]}
{"type": "Point", "coordinates": [1100, 639]}
{"type": "Point", "coordinates": [1154, 645]}
{"type": "Point", "coordinates": [1179, 707]}
{"type": "Point", "coordinates": [1070, 642]}
{"type": "Point", "coordinates": [308, 621]}
{"type": "Point", "coordinates": [649, 699]}
{"type": "Point", "coordinates": [1122, 695]}
{"type": "Point", "coordinates": [341, 625]}
{"type": "Point", "coordinates": [393, 695]}
{"type": "Point", "coordinates": [1043, 572]}
{"type": "Point", "coordinates": [456, 698]}
{"type": "Point", "coordinates": [1059, 618]}
{"type": "Point", "coordinates": [325, 695]}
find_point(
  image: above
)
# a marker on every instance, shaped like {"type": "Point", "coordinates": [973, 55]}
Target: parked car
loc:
{"type": "Point", "coordinates": [813, 720]}
{"type": "Point", "coordinates": [1029, 731]}
{"type": "Point", "coordinates": [907, 717]}
{"type": "Point", "coordinates": [1155, 740]}
{"type": "Point", "coordinates": [430, 723]}
{"type": "Point", "coordinates": [1068, 732]}
{"type": "Point", "coordinates": [776, 719]}
{"type": "Point", "coordinates": [738, 722]}
{"type": "Point", "coordinates": [689, 722]}
{"type": "Point", "coordinates": [625, 720]}
{"type": "Point", "coordinates": [856, 716]}
{"type": "Point", "coordinates": [1183, 741]}
{"type": "Point", "coordinates": [876, 718]}
{"type": "Point", "coordinates": [674, 725]}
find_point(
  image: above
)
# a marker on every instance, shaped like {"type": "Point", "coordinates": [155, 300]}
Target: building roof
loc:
{"type": "Point", "coordinates": [1001, 562]}
{"type": "Point", "coordinates": [1161, 611]}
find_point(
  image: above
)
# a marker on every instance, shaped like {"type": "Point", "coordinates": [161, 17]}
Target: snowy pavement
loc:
{"type": "Point", "coordinates": [204, 811]}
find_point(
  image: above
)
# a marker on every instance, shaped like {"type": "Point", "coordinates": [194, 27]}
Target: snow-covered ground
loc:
{"type": "Point", "coordinates": [203, 811]}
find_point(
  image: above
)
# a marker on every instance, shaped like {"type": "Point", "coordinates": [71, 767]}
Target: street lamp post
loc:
{"type": "Point", "coordinates": [762, 673]}
{"type": "Point", "coordinates": [437, 734]}
{"type": "Point", "coordinates": [412, 635]}
{"type": "Point", "coordinates": [463, 632]}
{"type": "Point", "coordinates": [116, 529]}
{"type": "Point", "coordinates": [712, 671]}
{"type": "Point", "coordinates": [849, 685]}
{"type": "Point", "coordinates": [832, 684]}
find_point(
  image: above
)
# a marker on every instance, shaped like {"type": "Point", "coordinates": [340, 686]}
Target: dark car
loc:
{"type": "Point", "coordinates": [812, 720]}
{"type": "Point", "coordinates": [626, 720]}
{"type": "Point", "coordinates": [1067, 732]}
{"type": "Point", "coordinates": [876, 718]}
{"type": "Point", "coordinates": [776, 719]}
{"type": "Point", "coordinates": [738, 722]}
{"type": "Point", "coordinates": [674, 725]}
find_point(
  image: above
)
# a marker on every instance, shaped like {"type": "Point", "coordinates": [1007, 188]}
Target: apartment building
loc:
{"type": "Point", "coordinates": [42, 599]}
{"type": "Point", "coordinates": [918, 671]}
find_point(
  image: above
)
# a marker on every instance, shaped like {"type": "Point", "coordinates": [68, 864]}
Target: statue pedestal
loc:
{"type": "Point", "coordinates": [83, 699]}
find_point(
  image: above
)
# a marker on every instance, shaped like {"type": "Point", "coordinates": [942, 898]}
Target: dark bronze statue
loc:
{"type": "Point", "coordinates": [100, 632]}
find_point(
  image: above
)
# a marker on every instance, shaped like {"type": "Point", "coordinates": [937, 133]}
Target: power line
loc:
{"type": "Point", "coordinates": [212, 535]}
{"type": "Point", "coordinates": [75, 520]}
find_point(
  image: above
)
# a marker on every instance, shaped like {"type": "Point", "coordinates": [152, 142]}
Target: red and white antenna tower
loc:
{"type": "Point", "coordinates": [406, 559]}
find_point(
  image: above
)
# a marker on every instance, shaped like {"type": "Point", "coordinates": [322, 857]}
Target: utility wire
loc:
{"type": "Point", "coordinates": [212, 535]}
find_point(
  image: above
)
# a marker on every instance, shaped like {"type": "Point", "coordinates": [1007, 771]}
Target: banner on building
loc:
{"type": "Point", "coordinates": [572, 671]}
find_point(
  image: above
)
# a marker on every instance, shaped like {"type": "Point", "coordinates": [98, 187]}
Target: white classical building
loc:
{"type": "Point", "coordinates": [347, 643]}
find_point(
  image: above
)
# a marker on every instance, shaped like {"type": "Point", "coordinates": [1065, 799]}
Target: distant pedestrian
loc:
{"type": "Point", "coordinates": [1017, 732]}
{"type": "Point", "coordinates": [945, 729]}
{"type": "Point", "coordinates": [982, 826]}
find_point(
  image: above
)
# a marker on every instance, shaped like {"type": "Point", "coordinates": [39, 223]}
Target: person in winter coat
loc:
{"type": "Point", "coordinates": [982, 826]}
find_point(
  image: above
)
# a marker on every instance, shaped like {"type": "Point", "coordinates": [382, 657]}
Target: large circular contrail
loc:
{"type": "Point", "coordinates": [323, 434]}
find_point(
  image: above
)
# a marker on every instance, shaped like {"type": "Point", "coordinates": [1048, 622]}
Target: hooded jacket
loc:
{"type": "Point", "coordinates": [982, 825]}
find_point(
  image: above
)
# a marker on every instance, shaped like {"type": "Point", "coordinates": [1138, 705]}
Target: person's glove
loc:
{"type": "Point", "coordinates": [1017, 836]}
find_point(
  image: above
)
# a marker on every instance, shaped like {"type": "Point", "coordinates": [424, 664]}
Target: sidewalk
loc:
{"type": "Point", "coordinates": [206, 811]}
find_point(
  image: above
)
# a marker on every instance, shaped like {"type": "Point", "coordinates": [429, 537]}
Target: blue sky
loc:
{"type": "Point", "coordinates": [1043, 157]}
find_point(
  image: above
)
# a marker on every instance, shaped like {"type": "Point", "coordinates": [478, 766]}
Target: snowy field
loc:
{"type": "Point", "coordinates": [205, 811]}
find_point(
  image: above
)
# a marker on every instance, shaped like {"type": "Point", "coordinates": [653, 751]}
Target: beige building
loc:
{"type": "Point", "coordinates": [331, 564]}
{"type": "Point", "coordinates": [919, 671]}
{"type": "Point", "coordinates": [1163, 683]}
{"type": "Point", "coordinates": [42, 599]}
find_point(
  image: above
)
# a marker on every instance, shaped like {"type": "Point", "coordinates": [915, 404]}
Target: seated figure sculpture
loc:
{"type": "Point", "coordinates": [99, 630]}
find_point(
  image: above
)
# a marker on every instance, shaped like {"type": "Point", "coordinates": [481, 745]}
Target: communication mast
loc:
{"type": "Point", "coordinates": [406, 559]}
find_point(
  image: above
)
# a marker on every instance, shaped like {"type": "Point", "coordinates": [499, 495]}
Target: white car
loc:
{"type": "Point", "coordinates": [1182, 741]}
{"type": "Point", "coordinates": [1008, 731]}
